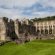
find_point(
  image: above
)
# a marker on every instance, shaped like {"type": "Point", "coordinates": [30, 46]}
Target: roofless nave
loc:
{"type": "Point", "coordinates": [28, 29]}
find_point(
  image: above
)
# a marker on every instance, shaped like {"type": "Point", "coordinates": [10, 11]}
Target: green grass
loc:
{"type": "Point", "coordinates": [37, 47]}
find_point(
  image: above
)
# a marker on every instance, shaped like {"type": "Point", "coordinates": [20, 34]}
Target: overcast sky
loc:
{"type": "Point", "coordinates": [27, 8]}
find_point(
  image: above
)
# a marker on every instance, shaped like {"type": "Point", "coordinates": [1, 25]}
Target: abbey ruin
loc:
{"type": "Point", "coordinates": [11, 30]}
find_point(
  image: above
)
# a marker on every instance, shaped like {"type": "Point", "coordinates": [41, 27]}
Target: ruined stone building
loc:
{"type": "Point", "coordinates": [45, 27]}
{"type": "Point", "coordinates": [15, 29]}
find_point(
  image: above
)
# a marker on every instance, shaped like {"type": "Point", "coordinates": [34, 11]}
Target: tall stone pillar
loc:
{"type": "Point", "coordinates": [48, 26]}
{"type": "Point", "coordinates": [2, 30]}
{"type": "Point", "coordinates": [48, 29]}
{"type": "Point", "coordinates": [40, 29]}
{"type": "Point", "coordinates": [54, 27]}
{"type": "Point", "coordinates": [43, 28]}
{"type": "Point", "coordinates": [52, 23]}
{"type": "Point", "coordinates": [16, 24]}
{"type": "Point", "coordinates": [54, 30]}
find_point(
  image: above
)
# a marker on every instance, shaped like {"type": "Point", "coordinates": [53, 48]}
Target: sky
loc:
{"type": "Point", "coordinates": [27, 8]}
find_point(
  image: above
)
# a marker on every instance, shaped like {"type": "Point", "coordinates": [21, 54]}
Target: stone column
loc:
{"type": "Point", "coordinates": [43, 28]}
{"type": "Point", "coordinates": [2, 30]}
{"type": "Point", "coordinates": [52, 23]}
{"type": "Point", "coordinates": [48, 29]}
{"type": "Point", "coordinates": [16, 27]}
{"type": "Point", "coordinates": [54, 27]}
{"type": "Point", "coordinates": [48, 26]}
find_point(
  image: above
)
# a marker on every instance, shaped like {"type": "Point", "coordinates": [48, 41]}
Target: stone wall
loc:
{"type": "Point", "coordinates": [44, 28]}
{"type": "Point", "coordinates": [11, 30]}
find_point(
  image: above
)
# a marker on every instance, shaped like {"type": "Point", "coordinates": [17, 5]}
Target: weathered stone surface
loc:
{"type": "Point", "coordinates": [11, 30]}
{"type": "Point", "coordinates": [2, 30]}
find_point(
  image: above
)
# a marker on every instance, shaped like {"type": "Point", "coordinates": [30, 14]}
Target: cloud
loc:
{"type": "Point", "coordinates": [17, 3]}
{"type": "Point", "coordinates": [27, 8]}
{"type": "Point", "coordinates": [39, 10]}
{"type": "Point", "coordinates": [48, 3]}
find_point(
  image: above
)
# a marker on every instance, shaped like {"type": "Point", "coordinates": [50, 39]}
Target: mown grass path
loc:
{"type": "Point", "coordinates": [37, 47]}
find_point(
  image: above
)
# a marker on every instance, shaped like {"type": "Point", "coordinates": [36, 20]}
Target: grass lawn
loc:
{"type": "Point", "coordinates": [37, 47]}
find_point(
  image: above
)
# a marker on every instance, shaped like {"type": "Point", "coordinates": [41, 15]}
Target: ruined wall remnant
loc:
{"type": "Point", "coordinates": [16, 24]}
{"type": "Point", "coordinates": [2, 29]}
{"type": "Point", "coordinates": [26, 30]}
